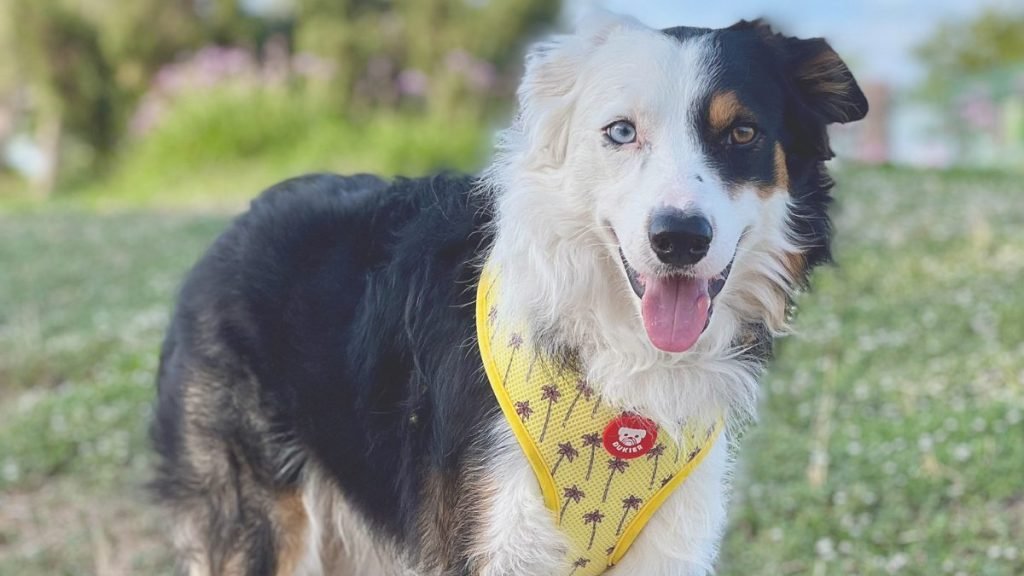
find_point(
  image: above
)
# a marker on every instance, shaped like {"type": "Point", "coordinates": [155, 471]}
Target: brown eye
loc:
{"type": "Point", "coordinates": [742, 135]}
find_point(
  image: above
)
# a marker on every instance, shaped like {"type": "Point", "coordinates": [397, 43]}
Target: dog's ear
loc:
{"type": "Point", "coordinates": [547, 90]}
{"type": "Point", "coordinates": [823, 80]}
{"type": "Point", "coordinates": [552, 66]}
{"type": "Point", "coordinates": [822, 89]}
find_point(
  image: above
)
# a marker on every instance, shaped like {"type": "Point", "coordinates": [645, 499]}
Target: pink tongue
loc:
{"type": "Point", "coordinates": [675, 311]}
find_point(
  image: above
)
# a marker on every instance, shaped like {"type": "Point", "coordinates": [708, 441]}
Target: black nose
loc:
{"type": "Point", "coordinates": [679, 238]}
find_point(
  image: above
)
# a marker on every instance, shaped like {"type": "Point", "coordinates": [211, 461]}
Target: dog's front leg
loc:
{"type": "Point", "coordinates": [682, 537]}
{"type": "Point", "coordinates": [518, 536]}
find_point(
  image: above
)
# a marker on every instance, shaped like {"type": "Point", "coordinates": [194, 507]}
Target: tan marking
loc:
{"type": "Point", "coordinates": [480, 495]}
{"type": "Point", "coordinates": [451, 525]}
{"type": "Point", "coordinates": [781, 172]}
{"type": "Point", "coordinates": [347, 546]}
{"type": "Point", "coordinates": [292, 528]}
{"type": "Point", "coordinates": [824, 74]}
{"type": "Point", "coordinates": [235, 566]}
{"type": "Point", "coordinates": [725, 107]}
{"type": "Point", "coordinates": [795, 264]}
{"type": "Point", "coordinates": [827, 77]}
{"type": "Point", "coordinates": [781, 182]}
{"type": "Point", "coordinates": [439, 521]}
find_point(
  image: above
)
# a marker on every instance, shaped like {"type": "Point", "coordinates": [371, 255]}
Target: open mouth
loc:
{"type": "Point", "coordinates": [676, 309]}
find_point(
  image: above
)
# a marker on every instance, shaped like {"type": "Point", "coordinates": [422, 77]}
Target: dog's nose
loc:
{"type": "Point", "coordinates": [679, 238]}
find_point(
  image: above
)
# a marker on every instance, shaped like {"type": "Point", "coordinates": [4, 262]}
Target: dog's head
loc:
{"type": "Point", "coordinates": [631, 436]}
{"type": "Point", "coordinates": [691, 157]}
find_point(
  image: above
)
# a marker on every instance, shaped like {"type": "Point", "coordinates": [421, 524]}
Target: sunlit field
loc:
{"type": "Point", "coordinates": [892, 429]}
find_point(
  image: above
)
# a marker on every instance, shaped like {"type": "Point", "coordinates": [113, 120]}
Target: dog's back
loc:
{"type": "Point", "coordinates": [301, 343]}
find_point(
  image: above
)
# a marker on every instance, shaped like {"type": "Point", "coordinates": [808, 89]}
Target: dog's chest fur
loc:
{"type": "Point", "coordinates": [519, 535]}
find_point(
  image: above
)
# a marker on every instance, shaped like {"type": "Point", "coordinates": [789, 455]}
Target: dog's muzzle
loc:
{"type": "Point", "coordinates": [676, 308]}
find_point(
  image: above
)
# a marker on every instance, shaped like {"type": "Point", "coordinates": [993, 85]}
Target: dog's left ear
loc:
{"type": "Point", "coordinates": [825, 84]}
{"type": "Point", "coordinates": [550, 81]}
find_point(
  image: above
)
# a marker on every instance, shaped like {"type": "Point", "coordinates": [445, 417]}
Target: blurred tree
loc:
{"type": "Point", "coordinates": [959, 50]}
{"type": "Point", "coordinates": [72, 81]}
{"type": "Point", "coordinates": [8, 70]}
{"type": "Point", "coordinates": [970, 66]}
{"type": "Point", "coordinates": [226, 23]}
{"type": "Point", "coordinates": [84, 64]}
{"type": "Point", "coordinates": [170, 27]}
{"type": "Point", "coordinates": [456, 46]}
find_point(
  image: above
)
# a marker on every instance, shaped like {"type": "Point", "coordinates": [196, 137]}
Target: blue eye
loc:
{"type": "Point", "coordinates": [621, 132]}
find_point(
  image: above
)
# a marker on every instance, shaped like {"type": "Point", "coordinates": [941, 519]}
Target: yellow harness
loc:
{"type": "Point", "coordinates": [603, 472]}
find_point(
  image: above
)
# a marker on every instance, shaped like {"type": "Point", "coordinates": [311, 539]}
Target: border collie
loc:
{"type": "Point", "coordinates": [657, 201]}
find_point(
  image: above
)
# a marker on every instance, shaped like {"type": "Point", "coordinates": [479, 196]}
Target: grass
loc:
{"type": "Point", "coordinates": [892, 435]}
{"type": "Point", "coordinates": [83, 304]}
{"type": "Point", "coordinates": [893, 425]}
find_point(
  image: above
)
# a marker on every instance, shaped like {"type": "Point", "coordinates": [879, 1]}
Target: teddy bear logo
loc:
{"type": "Point", "coordinates": [630, 437]}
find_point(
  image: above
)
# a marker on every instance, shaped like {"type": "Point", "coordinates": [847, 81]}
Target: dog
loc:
{"type": "Point", "coordinates": [657, 201]}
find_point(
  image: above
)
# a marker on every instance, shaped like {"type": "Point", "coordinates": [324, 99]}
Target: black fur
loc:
{"type": "Point", "coordinates": [764, 70]}
{"type": "Point", "coordinates": [337, 315]}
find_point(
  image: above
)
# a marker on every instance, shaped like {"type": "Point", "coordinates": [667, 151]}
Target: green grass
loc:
{"type": "Point", "coordinates": [83, 303]}
{"type": "Point", "coordinates": [892, 435]}
{"type": "Point", "coordinates": [217, 148]}
{"type": "Point", "coordinates": [893, 425]}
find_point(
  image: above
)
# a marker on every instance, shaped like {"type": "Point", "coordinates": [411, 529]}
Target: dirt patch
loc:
{"type": "Point", "coordinates": [61, 528]}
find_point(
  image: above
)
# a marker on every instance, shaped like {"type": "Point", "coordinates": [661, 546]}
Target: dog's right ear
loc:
{"type": "Point", "coordinates": [550, 80]}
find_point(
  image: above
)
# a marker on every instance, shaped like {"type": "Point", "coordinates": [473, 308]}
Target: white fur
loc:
{"type": "Point", "coordinates": [681, 539]}
{"type": "Point", "coordinates": [337, 539]}
{"type": "Point", "coordinates": [521, 535]}
{"type": "Point", "coordinates": [565, 205]}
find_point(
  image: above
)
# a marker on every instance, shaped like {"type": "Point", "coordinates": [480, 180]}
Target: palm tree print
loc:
{"type": "Point", "coordinates": [523, 410]}
{"type": "Point", "coordinates": [629, 503]}
{"type": "Point", "coordinates": [582, 389]}
{"type": "Point", "coordinates": [515, 341]}
{"type": "Point", "coordinates": [550, 393]}
{"type": "Point", "coordinates": [579, 563]}
{"type": "Point", "coordinates": [593, 518]}
{"type": "Point", "coordinates": [693, 454]}
{"type": "Point", "coordinates": [571, 494]}
{"type": "Point", "coordinates": [592, 441]}
{"type": "Point", "coordinates": [597, 405]}
{"type": "Point", "coordinates": [492, 318]}
{"type": "Point", "coordinates": [565, 452]}
{"type": "Point", "coordinates": [655, 454]}
{"type": "Point", "coordinates": [614, 465]}
{"type": "Point", "coordinates": [666, 480]}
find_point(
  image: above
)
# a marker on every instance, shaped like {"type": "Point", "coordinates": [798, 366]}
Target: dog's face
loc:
{"type": "Point", "coordinates": [631, 436]}
{"type": "Point", "coordinates": [679, 151]}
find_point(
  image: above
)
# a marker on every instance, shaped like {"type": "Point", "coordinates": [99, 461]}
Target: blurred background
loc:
{"type": "Point", "coordinates": [892, 435]}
